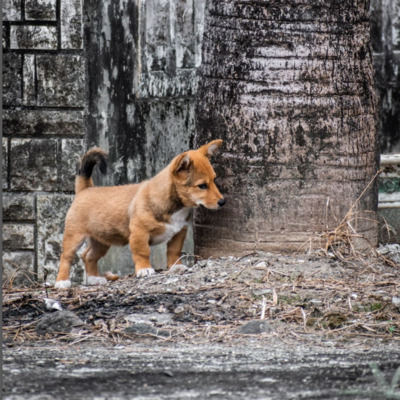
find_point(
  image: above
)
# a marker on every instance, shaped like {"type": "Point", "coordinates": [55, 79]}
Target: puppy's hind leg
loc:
{"type": "Point", "coordinates": [90, 256]}
{"type": "Point", "coordinates": [71, 243]}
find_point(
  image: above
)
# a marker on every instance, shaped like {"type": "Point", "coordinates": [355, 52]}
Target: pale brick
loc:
{"type": "Point", "coordinates": [61, 80]}
{"type": "Point", "coordinates": [43, 10]}
{"type": "Point", "coordinates": [43, 122]}
{"type": "Point", "coordinates": [12, 10]}
{"type": "Point", "coordinates": [18, 207]}
{"type": "Point", "coordinates": [4, 161]}
{"type": "Point", "coordinates": [71, 24]}
{"type": "Point", "coordinates": [33, 164]}
{"type": "Point", "coordinates": [18, 237]}
{"type": "Point", "coordinates": [4, 39]}
{"type": "Point", "coordinates": [12, 79]}
{"type": "Point", "coordinates": [33, 37]}
{"type": "Point", "coordinates": [71, 151]}
{"type": "Point", "coordinates": [29, 90]}
{"type": "Point", "coordinates": [18, 268]}
{"type": "Point", "coordinates": [51, 211]}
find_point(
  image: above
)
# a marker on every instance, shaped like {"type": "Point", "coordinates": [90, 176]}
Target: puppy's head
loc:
{"type": "Point", "coordinates": [194, 177]}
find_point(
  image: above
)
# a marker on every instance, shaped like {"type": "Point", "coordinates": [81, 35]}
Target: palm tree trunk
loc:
{"type": "Point", "coordinates": [288, 85]}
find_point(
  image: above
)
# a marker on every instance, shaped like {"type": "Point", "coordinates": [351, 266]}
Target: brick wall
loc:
{"type": "Point", "coordinates": [43, 129]}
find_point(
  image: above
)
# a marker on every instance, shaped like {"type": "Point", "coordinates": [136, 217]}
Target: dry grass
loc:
{"type": "Point", "coordinates": [344, 241]}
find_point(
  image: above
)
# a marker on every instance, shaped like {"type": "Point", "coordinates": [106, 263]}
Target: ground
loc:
{"type": "Point", "coordinates": [263, 326]}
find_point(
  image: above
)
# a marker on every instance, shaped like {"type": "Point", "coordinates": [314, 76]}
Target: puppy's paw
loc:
{"type": "Point", "coordinates": [143, 273]}
{"type": "Point", "coordinates": [62, 284]}
{"type": "Point", "coordinates": [95, 280]}
{"type": "Point", "coordinates": [178, 269]}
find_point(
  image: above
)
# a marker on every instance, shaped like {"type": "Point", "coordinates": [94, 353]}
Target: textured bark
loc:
{"type": "Point", "coordinates": [288, 85]}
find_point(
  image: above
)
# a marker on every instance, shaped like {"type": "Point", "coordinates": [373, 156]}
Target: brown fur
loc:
{"type": "Point", "coordinates": [138, 214]}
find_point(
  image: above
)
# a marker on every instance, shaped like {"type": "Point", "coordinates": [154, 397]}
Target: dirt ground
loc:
{"type": "Point", "coordinates": [264, 326]}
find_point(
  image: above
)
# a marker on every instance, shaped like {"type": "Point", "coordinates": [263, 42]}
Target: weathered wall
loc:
{"type": "Point", "coordinates": [134, 96]}
{"type": "Point", "coordinates": [385, 36]}
{"type": "Point", "coordinates": [141, 92]}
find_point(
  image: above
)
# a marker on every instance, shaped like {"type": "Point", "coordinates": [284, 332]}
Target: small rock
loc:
{"type": "Point", "coordinates": [261, 264]}
{"type": "Point", "coordinates": [179, 310]}
{"type": "Point", "coordinates": [171, 281]}
{"type": "Point", "coordinates": [396, 301]}
{"type": "Point", "coordinates": [274, 310]}
{"type": "Point", "coordinates": [159, 318]}
{"type": "Point", "coordinates": [392, 251]}
{"type": "Point", "coordinates": [261, 292]}
{"type": "Point", "coordinates": [201, 263]}
{"type": "Point", "coordinates": [147, 329]}
{"type": "Point", "coordinates": [162, 309]}
{"type": "Point", "coordinates": [52, 304]}
{"type": "Point", "coordinates": [58, 322]}
{"type": "Point", "coordinates": [315, 301]}
{"type": "Point", "coordinates": [389, 248]}
{"type": "Point", "coordinates": [254, 327]}
{"type": "Point", "coordinates": [178, 269]}
{"type": "Point", "coordinates": [210, 264]}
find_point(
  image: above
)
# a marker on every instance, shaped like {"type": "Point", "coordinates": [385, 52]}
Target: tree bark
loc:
{"type": "Point", "coordinates": [288, 86]}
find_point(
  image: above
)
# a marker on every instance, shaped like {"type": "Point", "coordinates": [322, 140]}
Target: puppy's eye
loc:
{"type": "Point", "coordinates": [203, 186]}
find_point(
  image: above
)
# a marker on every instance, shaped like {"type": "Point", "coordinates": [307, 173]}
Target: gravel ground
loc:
{"type": "Point", "coordinates": [264, 326]}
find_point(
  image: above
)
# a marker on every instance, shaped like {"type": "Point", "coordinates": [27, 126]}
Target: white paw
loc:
{"type": "Point", "coordinates": [95, 280]}
{"type": "Point", "coordinates": [178, 269]}
{"type": "Point", "coordinates": [143, 273]}
{"type": "Point", "coordinates": [62, 284]}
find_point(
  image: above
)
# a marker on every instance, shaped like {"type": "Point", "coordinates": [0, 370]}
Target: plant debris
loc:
{"type": "Point", "coordinates": [307, 297]}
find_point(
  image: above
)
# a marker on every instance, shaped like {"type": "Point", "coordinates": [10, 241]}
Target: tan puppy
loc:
{"type": "Point", "coordinates": [144, 214]}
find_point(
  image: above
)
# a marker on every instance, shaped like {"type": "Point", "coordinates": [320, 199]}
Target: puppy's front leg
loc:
{"type": "Point", "coordinates": [139, 244]}
{"type": "Point", "coordinates": [174, 248]}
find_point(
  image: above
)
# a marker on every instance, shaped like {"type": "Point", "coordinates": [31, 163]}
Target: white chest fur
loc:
{"type": "Point", "coordinates": [178, 220]}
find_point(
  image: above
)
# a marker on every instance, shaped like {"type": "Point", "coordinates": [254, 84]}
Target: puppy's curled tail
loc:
{"type": "Point", "coordinates": [85, 167]}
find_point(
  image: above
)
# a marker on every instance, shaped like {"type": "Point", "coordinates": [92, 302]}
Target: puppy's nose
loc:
{"type": "Point", "coordinates": [221, 202]}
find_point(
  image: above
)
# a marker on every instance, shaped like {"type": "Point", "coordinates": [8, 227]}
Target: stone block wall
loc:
{"type": "Point", "coordinates": [43, 130]}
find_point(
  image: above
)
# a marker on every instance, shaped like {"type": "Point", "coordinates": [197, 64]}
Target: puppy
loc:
{"type": "Point", "coordinates": [144, 214]}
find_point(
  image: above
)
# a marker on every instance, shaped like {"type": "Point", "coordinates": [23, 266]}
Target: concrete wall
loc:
{"type": "Point", "coordinates": [122, 75]}
{"type": "Point", "coordinates": [385, 35]}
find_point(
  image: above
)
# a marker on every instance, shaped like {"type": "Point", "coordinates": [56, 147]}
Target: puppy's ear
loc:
{"type": "Point", "coordinates": [181, 164]}
{"type": "Point", "coordinates": [209, 148]}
